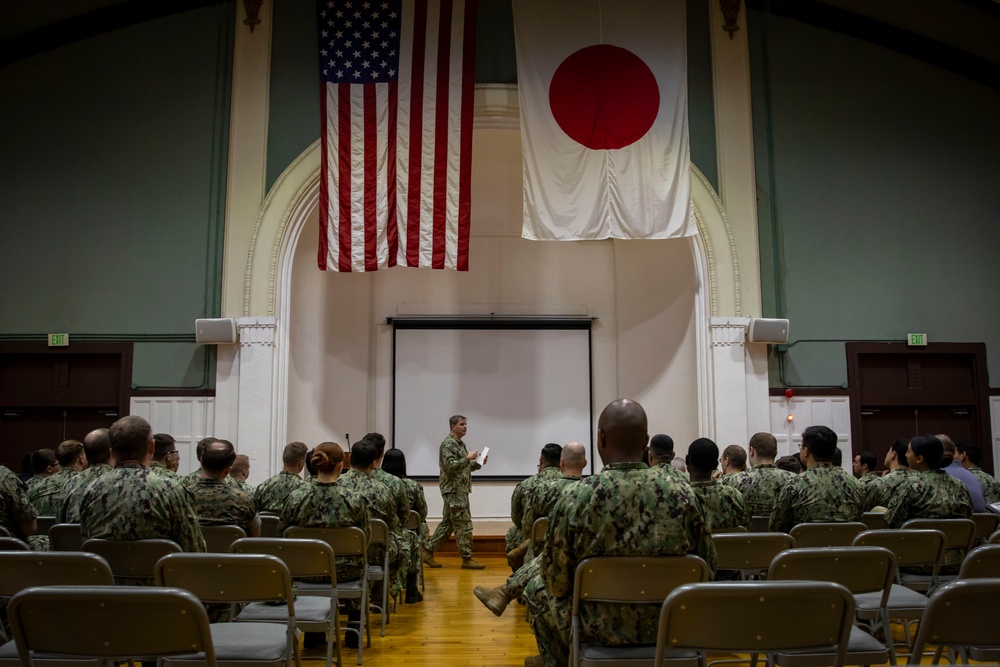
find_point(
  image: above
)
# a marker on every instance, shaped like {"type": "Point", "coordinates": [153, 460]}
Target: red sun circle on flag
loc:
{"type": "Point", "coordinates": [604, 97]}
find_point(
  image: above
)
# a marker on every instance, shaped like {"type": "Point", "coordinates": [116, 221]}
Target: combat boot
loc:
{"type": "Point", "coordinates": [495, 599]}
{"type": "Point", "coordinates": [428, 558]}
{"type": "Point", "coordinates": [471, 563]}
{"type": "Point", "coordinates": [413, 594]}
{"type": "Point", "coordinates": [515, 557]}
{"type": "Point", "coordinates": [534, 661]}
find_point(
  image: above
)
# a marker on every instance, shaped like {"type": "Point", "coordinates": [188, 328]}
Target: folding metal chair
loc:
{"type": "Point", "coordinates": [831, 534]}
{"type": "Point", "coordinates": [538, 530]}
{"type": "Point", "coordinates": [66, 537]}
{"type": "Point", "coordinates": [749, 553]}
{"type": "Point", "coordinates": [874, 520]}
{"type": "Point", "coordinates": [959, 535]}
{"type": "Point", "coordinates": [110, 623]}
{"type": "Point", "coordinates": [626, 580]}
{"type": "Point", "coordinates": [238, 579]}
{"type": "Point", "coordinates": [962, 616]}
{"type": "Point", "coordinates": [316, 609]}
{"type": "Point", "coordinates": [380, 572]}
{"type": "Point", "coordinates": [413, 525]}
{"type": "Point", "coordinates": [13, 544]}
{"type": "Point", "coordinates": [269, 525]}
{"type": "Point", "coordinates": [760, 524]}
{"type": "Point", "coordinates": [132, 561]}
{"type": "Point", "coordinates": [43, 523]}
{"type": "Point", "coordinates": [219, 539]}
{"type": "Point", "coordinates": [756, 617]}
{"type": "Point", "coordinates": [986, 525]}
{"type": "Point", "coordinates": [982, 563]}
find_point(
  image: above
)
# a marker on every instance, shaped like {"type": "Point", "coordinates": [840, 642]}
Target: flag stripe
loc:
{"type": "Point", "coordinates": [344, 174]}
{"type": "Point", "coordinates": [370, 178]}
{"type": "Point", "coordinates": [392, 224]}
{"type": "Point", "coordinates": [416, 131]}
{"type": "Point", "coordinates": [324, 187]}
{"type": "Point", "coordinates": [465, 150]}
{"type": "Point", "coordinates": [439, 204]}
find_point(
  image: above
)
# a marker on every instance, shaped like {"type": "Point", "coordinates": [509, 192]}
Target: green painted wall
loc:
{"type": "Point", "coordinates": [293, 120]}
{"type": "Point", "coordinates": [878, 199]}
{"type": "Point", "coordinates": [113, 189]}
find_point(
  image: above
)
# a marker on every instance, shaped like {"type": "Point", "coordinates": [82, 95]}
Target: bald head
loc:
{"type": "Point", "coordinates": [622, 431]}
{"type": "Point", "coordinates": [573, 459]}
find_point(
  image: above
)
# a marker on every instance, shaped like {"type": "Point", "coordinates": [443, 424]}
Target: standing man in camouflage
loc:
{"type": "Point", "coordinates": [519, 536]}
{"type": "Point", "coordinates": [823, 492]}
{"type": "Point", "coordinates": [971, 456]}
{"type": "Point", "coordinates": [723, 504]}
{"type": "Point", "coordinates": [456, 463]}
{"type": "Point", "coordinates": [878, 493]}
{"type": "Point", "coordinates": [97, 447]}
{"type": "Point", "coordinates": [272, 493]}
{"type": "Point", "coordinates": [131, 504]}
{"type": "Point", "coordinates": [216, 502]}
{"type": "Point", "coordinates": [622, 511]}
{"type": "Point", "coordinates": [166, 458]}
{"type": "Point", "coordinates": [761, 484]}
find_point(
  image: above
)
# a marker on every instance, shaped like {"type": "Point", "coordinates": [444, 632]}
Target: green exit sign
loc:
{"type": "Point", "coordinates": [58, 340]}
{"type": "Point", "coordinates": [916, 339]}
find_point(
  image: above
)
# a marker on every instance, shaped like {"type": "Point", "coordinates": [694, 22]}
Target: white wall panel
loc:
{"type": "Point", "coordinates": [187, 418]}
{"type": "Point", "coordinates": [806, 411]}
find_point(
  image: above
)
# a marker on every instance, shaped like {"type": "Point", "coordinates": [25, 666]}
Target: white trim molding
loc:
{"type": "Point", "coordinates": [187, 418]}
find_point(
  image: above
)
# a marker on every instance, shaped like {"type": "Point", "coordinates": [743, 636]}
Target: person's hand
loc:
{"type": "Point", "coordinates": [487, 458]}
{"type": "Point", "coordinates": [716, 474]}
{"type": "Point", "coordinates": [471, 456]}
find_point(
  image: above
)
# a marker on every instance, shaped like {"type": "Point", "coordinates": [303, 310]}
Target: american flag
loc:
{"type": "Point", "coordinates": [397, 99]}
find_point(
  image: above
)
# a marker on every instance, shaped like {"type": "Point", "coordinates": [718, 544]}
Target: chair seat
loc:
{"type": "Point", "coordinates": [307, 610]}
{"type": "Point", "coordinates": [375, 572]}
{"type": "Point", "coordinates": [10, 658]}
{"type": "Point", "coordinates": [981, 654]}
{"type": "Point", "coordinates": [903, 603]}
{"type": "Point", "coordinates": [236, 642]}
{"type": "Point", "coordinates": [630, 656]}
{"type": "Point", "coordinates": [862, 649]}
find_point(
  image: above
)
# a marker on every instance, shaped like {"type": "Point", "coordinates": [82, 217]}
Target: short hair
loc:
{"type": "Point", "coordinates": [42, 459]}
{"type": "Point", "coordinates": [218, 456]}
{"type": "Point", "coordinates": [765, 444]}
{"type": "Point", "coordinates": [661, 446]}
{"type": "Point", "coordinates": [163, 444]}
{"type": "Point", "coordinates": [868, 459]}
{"type": "Point", "coordinates": [130, 438]}
{"type": "Point", "coordinates": [379, 441]}
{"type": "Point", "coordinates": [394, 462]}
{"type": "Point", "coordinates": [703, 455]}
{"type": "Point", "coordinates": [551, 453]}
{"type": "Point", "coordinates": [900, 445]}
{"type": "Point", "coordinates": [789, 463]}
{"type": "Point", "coordinates": [326, 456]}
{"type": "Point", "coordinates": [363, 454]}
{"type": "Point", "coordinates": [973, 451]}
{"type": "Point", "coordinates": [821, 441]}
{"type": "Point", "coordinates": [97, 446]}
{"type": "Point", "coordinates": [454, 419]}
{"type": "Point", "coordinates": [737, 456]}
{"type": "Point", "coordinates": [948, 444]}
{"type": "Point", "coordinates": [838, 457]}
{"type": "Point", "coordinates": [678, 463]}
{"type": "Point", "coordinates": [68, 452]}
{"type": "Point", "coordinates": [240, 463]}
{"type": "Point", "coordinates": [931, 449]}
{"type": "Point", "coordinates": [294, 454]}
{"type": "Point", "coordinates": [199, 449]}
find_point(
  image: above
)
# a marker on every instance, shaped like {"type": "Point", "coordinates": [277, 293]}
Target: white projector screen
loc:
{"type": "Point", "coordinates": [520, 386]}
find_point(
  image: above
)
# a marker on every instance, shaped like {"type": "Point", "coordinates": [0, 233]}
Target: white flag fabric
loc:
{"type": "Point", "coordinates": [604, 131]}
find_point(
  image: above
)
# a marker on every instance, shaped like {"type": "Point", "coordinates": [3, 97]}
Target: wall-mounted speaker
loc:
{"type": "Point", "coordinates": [767, 330]}
{"type": "Point", "coordinates": [215, 331]}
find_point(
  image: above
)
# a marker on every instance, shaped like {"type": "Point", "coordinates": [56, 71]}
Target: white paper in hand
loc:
{"type": "Point", "coordinates": [482, 455]}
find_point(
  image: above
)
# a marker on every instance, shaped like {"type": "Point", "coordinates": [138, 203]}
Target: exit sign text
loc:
{"type": "Point", "coordinates": [58, 340]}
{"type": "Point", "coordinates": [916, 339]}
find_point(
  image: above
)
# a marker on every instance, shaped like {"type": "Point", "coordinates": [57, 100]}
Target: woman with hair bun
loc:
{"type": "Point", "coordinates": [930, 494]}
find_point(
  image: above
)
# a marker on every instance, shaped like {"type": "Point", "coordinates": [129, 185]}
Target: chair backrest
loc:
{"type": "Point", "coordinates": [634, 579]}
{"type": "Point", "coordinates": [132, 559]}
{"type": "Point", "coordinates": [813, 615]}
{"type": "Point", "coordinates": [43, 523]}
{"type": "Point", "coordinates": [833, 534]}
{"type": "Point", "coordinates": [303, 558]}
{"type": "Point", "coordinates": [218, 578]}
{"type": "Point", "coordinates": [379, 533]}
{"type": "Point", "coordinates": [986, 524]}
{"type": "Point", "coordinates": [874, 520]}
{"type": "Point", "coordinates": [858, 569]}
{"type": "Point", "coordinates": [749, 551]}
{"type": "Point", "coordinates": [958, 533]}
{"type": "Point", "coordinates": [219, 539]}
{"type": "Point", "coordinates": [112, 622]}
{"type": "Point", "coordinates": [960, 613]}
{"type": "Point", "coordinates": [269, 525]}
{"type": "Point", "coordinates": [4, 532]}
{"type": "Point", "coordinates": [731, 529]}
{"type": "Point", "coordinates": [20, 570]}
{"type": "Point", "coordinates": [413, 521]}
{"type": "Point", "coordinates": [66, 537]}
{"type": "Point", "coordinates": [538, 530]}
{"type": "Point", "coordinates": [760, 524]}
{"type": "Point", "coordinates": [13, 544]}
{"type": "Point", "coordinates": [348, 541]}
{"type": "Point", "coordinates": [912, 548]}
{"type": "Point", "coordinates": [981, 563]}
{"type": "Point", "coordinates": [994, 538]}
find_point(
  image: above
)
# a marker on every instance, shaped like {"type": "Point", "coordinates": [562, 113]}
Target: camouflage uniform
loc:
{"type": "Point", "coordinates": [72, 493]}
{"type": "Point", "coordinates": [623, 511]}
{"type": "Point", "coordinates": [409, 543]}
{"type": "Point", "coordinates": [45, 494]}
{"type": "Point", "coordinates": [990, 484]}
{"type": "Point", "coordinates": [869, 478]}
{"type": "Point", "coordinates": [161, 470]}
{"type": "Point", "coordinates": [878, 494]}
{"type": "Point", "coordinates": [456, 485]}
{"type": "Point", "coordinates": [15, 508]}
{"type": "Point", "coordinates": [272, 494]}
{"type": "Point", "coordinates": [381, 505]}
{"type": "Point", "coordinates": [723, 505]}
{"type": "Point", "coordinates": [932, 494]}
{"type": "Point", "coordinates": [219, 504]}
{"type": "Point", "coordinates": [667, 469]}
{"type": "Point", "coordinates": [240, 484]}
{"type": "Point", "coordinates": [760, 486]}
{"type": "Point", "coordinates": [131, 504]}
{"type": "Point", "coordinates": [543, 499]}
{"type": "Point", "coordinates": [327, 505]}
{"type": "Point", "coordinates": [418, 503]}
{"type": "Point", "coordinates": [191, 478]}
{"type": "Point", "coordinates": [821, 493]}
{"type": "Point", "coordinates": [521, 503]}
{"type": "Point", "coordinates": [515, 535]}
